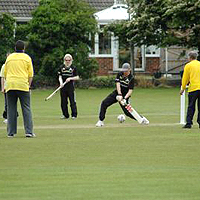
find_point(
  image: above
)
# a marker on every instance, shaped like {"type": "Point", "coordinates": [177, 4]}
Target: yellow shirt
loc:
{"type": "Point", "coordinates": [2, 71]}
{"type": "Point", "coordinates": [18, 69]}
{"type": "Point", "coordinates": [191, 76]}
{"type": "Point", "coordinates": [2, 74]}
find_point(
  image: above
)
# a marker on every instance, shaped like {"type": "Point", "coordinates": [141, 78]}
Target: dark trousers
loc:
{"type": "Point", "coordinates": [66, 93]}
{"type": "Point", "coordinates": [192, 98]}
{"type": "Point", "coordinates": [5, 107]}
{"type": "Point", "coordinates": [12, 98]}
{"type": "Point", "coordinates": [108, 101]}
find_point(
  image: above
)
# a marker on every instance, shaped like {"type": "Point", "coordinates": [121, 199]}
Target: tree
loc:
{"type": "Point", "coordinates": [6, 35]}
{"type": "Point", "coordinates": [185, 24]}
{"type": "Point", "coordinates": [162, 23]}
{"type": "Point", "coordinates": [59, 27]}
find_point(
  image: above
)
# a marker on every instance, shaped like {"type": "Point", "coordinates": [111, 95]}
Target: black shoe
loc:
{"type": "Point", "coordinates": [187, 126]}
{"type": "Point", "coordinates": [10, 136]}
{"type": "Point", "coordinates": [30, 135]}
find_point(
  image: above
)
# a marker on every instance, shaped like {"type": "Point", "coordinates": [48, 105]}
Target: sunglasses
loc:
{"type": "Point", "coordinates": [67, 60]}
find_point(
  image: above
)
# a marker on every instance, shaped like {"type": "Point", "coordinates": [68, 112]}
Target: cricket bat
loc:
{"type": "Point", "coordinates": [53, 93]}
{"type": "Point", "coordinates": [133, 112]}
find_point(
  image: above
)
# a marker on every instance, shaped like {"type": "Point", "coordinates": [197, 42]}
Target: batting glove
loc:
{"type": "Point", "coordinates": [123, 102]}
{"type": "Point", "coordinates": [119, 98]}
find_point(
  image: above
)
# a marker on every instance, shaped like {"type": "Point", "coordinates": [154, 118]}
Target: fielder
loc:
{"type": "Point", "coordinates": [122, 93]}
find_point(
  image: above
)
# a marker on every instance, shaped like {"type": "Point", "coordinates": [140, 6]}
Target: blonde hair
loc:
{"type": "Point", "coordinates": [69, 56]}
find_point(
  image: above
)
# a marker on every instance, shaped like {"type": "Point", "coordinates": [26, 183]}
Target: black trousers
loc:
{"type": "Point", "coordinates": [5, 107]}
{"type": "Point", "coordinates": [108, 101]}
{"type": "Point", "coordinates": [65, 94]}
{"type": "Point", "coordinates": [192, 98]}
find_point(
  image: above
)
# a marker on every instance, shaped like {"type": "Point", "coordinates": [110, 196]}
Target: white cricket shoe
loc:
{"type": "Point", "coordinates": [99, 123]}
{"type": "Point", "coordinates": [145, 121]}
{"type": "Point", "coordinates": [5, 121]}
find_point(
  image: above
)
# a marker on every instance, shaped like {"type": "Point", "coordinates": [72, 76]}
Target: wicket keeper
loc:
{"type": "Point", "coordinates": [124, 88]}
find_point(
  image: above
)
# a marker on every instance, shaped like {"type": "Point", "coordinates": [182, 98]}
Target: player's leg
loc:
{"type": "Point", "coordinates": [73, 105]}
{"type": "Point", "coordinates": [64, 102]}
{"type": "Point", "coordinates": [5, 109]}
{"type": "Point", "coordinates": [192, 97]}
{"type": "Point", "coordinates": [12, 112]}
{"type": "Point", "coordinates": [108, 101]}
{"type": "Point", "coordinates": [24, 98]}
{"type": "Point", "coordinates": [198, 104]}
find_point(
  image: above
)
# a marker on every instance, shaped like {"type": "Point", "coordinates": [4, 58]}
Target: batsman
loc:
{"type": "Point", "coordinates": [124, 88]}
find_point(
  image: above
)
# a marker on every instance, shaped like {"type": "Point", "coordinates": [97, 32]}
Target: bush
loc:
{"type": "Point", "coordinates": [144, 81]}
{"type": "Point", "coordinates": [97, 82]}
{"type": "Point", "coordinates": [40, 81]}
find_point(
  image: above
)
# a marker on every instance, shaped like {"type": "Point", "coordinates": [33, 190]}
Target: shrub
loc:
{"type": "Point", "coordinates": [144, 81]}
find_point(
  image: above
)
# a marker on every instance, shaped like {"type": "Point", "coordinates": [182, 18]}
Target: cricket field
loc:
{"type": "Point", "coordinates": [74, 160]}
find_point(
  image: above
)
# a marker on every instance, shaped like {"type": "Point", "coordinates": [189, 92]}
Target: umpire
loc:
{"type": "Point", "coordinates": [67, 75]}
{"type": "Point", "coordinates": [124, 87]}
{"type": "Point", "coordinates": [191, 76]}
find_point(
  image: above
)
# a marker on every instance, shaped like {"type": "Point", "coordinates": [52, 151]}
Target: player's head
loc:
{"type": "Point", "coordinates": [19, 46]}
{"type": "Point", "coordinates": [68, 60]}
{"type": "Point", "coordinates": [126, 69]}
{"type": "Point", "coordinates": [192, 55]}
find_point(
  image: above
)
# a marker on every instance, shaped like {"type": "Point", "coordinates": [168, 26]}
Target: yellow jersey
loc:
{"type": "Point", "coordinates": [191, 76]}
{"type": "Point", "coordinates": [18, 69]}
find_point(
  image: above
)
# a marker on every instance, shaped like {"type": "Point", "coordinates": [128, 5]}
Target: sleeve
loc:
{"type": "Point", "coordinates": [185, 79]}
{"type": "Point", "coordinates": [2, 71]}
{"type": "Point", "coordinates": [117, 79]}
{"type": "Point", "coordinates": [59, 71]}
{"type": "Point", "coordinates": [5, 71]}
{"type": "Point", "coordinates": [131, 83]}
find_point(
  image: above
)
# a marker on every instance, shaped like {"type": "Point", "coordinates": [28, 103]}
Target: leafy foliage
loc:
{"type": "Point", "coordinates": [162, 23]}
{"type": "Point", "coordinates": [59, 27]}
{"type": "Point", "coordinates": [6, 35]}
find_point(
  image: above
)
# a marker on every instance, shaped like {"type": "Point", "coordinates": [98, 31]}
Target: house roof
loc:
{"type": "Point", "coordinates": [115, 12]}
{"type": "Point", "coordinates": [21, 9]}
{"type": "Point", "coordinates": [100, 4]}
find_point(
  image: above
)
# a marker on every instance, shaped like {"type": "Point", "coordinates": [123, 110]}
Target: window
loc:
{"type": "Point", "coordinates": [104, 43]}
{"type": "Point", "coordinates": [92, 40]}
{"type": "Point", "coordinates": [152, 51]}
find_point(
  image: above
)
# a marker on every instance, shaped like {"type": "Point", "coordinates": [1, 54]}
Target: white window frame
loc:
{"type": "Point", "coordinates": [96, 47]}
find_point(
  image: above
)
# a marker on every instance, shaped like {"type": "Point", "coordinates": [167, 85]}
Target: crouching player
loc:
{"type": "Point", "coordinates": [124, 87]}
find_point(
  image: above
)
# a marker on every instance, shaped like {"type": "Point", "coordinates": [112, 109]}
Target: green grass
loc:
{"type": "Point", "coordinates": [72, 159]}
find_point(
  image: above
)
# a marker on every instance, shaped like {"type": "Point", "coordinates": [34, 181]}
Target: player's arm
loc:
{"type": "Point", "coordinates": [60, 80]}
{"type": "Point", "coordinates": [119, 96]}
{"type": "Point", "coordinates": [128, 94]}
{"type": "Point", "coordinates": [2, 85]}
{"type": "Point", "coordinates": [185, 80]}
{"type": "Point", "coordinates": [74, 78]}
{"type": "Point", "coordinates": [30, 79]}
{"type": "Point", "coordinates": [118, 88]}
{"type": "Point", "coordinates": [2, 79]}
